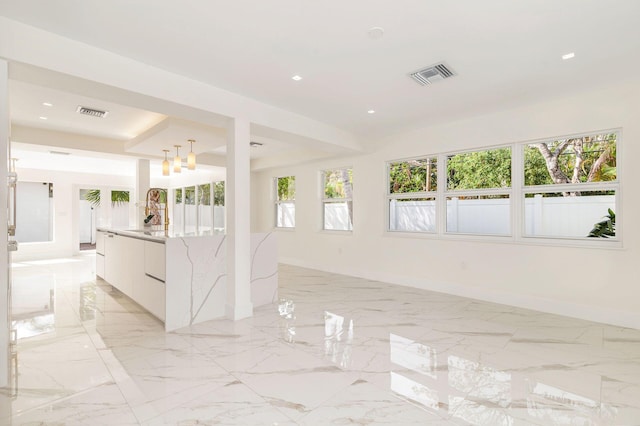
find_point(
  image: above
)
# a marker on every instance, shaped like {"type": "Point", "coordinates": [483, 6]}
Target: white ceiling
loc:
{"type": "Point", "coordinates": [505, 52]}
{"type": "Point", "coordinates": [121, 122]}
{"type": "Point", "coordinates": [31, 156]}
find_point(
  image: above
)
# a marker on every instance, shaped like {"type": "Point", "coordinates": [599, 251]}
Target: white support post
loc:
{"type": "Point", "coordinates": [143, 183]}
{"type": "Point", "coordinates": [4, 253]}
{"type": "Point", "coordinates": [238, 221]}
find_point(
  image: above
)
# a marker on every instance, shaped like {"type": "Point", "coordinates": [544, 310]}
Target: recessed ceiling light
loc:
{"type": "Point", "coordinates": [296, 78]}
{"type": "Point", "coordinates": [371, 111]}
{"type": "Point", "coordinates": [43, 118]}
{"type": "Point", "coordinates": [568, 56]}
{"type": "Point", "coordinates": [47, 104]}
{"type": "Point", "coordinates": [375, 33]}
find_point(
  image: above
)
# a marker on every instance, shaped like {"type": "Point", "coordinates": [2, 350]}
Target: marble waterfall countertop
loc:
{"type": "Point", "coordinates": [195, 283]}
{"type": "Point", "coordinates": [153, 234]}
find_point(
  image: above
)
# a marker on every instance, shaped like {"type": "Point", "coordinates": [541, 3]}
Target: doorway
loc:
{"type": "Point", "coordinates": [87, 215]}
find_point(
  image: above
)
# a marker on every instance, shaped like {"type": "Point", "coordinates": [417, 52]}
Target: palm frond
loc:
{"type": "Point", "coordinates": [93, 197]}
{"type": "Point", "coordinates": [605, 228]}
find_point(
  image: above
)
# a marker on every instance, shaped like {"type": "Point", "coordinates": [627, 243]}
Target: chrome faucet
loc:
{"type": "Point", "coordinates": [166, 206]}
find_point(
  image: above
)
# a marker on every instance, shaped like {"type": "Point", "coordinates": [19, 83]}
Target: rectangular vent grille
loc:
{"type": "Point", "coordinates": [432, 74]}
{"type": "Point", "coordinates": [91, 111]}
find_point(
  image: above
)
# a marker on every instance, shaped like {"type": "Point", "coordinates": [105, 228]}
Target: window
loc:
{"type": "Point", "coordinates": [34, 212]}
{"type": "Point", "coordinates": [570, 185]}
{"type": "Point", "coordinates": [479, 214]}
{"type": "Point", "coordinates": [478, 192]}
{"type": "Point", "coordinates": [411, 195]}
{"type": "Point", "coordinates": [205, 211]}
{"type": "Point", "coordinates": [178, 210]}
{"type": "Point", "coordinates": [565, 188]}
{"type": "Point", "coordinates": [285, 202]}
{"type": "Point", "coordinates": [190, 210]}
{"type": "Point", "coordinates": [219, 211]}
{"type": "Point", "coordinates": [194, 211]}
{"type": "Point", "coordinates": [337, 199]}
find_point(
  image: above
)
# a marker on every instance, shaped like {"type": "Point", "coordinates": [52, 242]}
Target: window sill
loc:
{"type": "Point", "coordinates": [592, 243]}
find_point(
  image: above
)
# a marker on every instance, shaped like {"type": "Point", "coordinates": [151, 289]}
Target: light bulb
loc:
{"type": "Point", "coordinates": [165, 164]}
{"type": "Point", "coordinates": [191, 158]}
{"type": "Point", "coordinates": [177, 161]}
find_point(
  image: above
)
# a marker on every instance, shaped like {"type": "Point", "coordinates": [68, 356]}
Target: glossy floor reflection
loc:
{"type": "Point", "coordinates": [335, 350]}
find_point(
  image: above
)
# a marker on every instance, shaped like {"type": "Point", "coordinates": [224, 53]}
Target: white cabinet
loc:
{"type": "Point", "coordinates": [110, 259]}
{"type": "Point", "coordinates": [130, 258]}
{"type": "Point", "coordinates": [154, 260]}
{"type": "Point", "coordinates": [123, 262]}
{"type": "Point", "coordinates": [135, 267]}
{"type": "Point", "coordinates": [100, 265]}
{"type": "Point", "coordinates": [151, 294]}
{"type": "Point", "coordinates": [100, 235]}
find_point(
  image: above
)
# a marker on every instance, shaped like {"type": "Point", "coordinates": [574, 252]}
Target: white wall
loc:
{"type": "Point", "coordinates": [66, 186]}
{"type": "Point", "coordinates": [66, 210]}
{"type": "Point", "coordinates": [598, 284]}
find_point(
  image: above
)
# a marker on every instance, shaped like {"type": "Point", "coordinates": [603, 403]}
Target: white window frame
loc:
{"type": "Point", "coordinates": [446, 193]}
{"type": "Point", "coordinates": [574, 187]}
{"type": "Point", "coordinates": [410, 195]}
{"type": "Point", "coordinates": [182, 205]}
{"type": "Point", "coordinates": [278, 203]}
{"type": "Point", "coordinates": [516, 194]}
{"type": "Point", "coordinates": [334, 200]}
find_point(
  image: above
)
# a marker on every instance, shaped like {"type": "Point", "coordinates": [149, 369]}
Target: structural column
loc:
{"type": "Point", "coordinates": [143, 183]}
{"type": "Point", "coordinates": [238, 221]}
{"type": "Point", "coordinates": [4, 257]}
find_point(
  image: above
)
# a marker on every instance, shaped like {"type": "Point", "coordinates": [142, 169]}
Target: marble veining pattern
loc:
{"type": "Point", "coordinates": [331, 350]}
{"type": "Point", "coordinates": [204, 259]}
{"type": "Point", "coordinates": [264, 271]}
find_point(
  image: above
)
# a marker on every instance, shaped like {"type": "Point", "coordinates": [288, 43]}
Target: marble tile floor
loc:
{"type": "Point", "coordinates": [335, 350]}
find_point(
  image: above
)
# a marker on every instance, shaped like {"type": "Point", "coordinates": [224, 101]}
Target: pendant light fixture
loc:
{"type": "Point", "coordinates": [177, 161]}
{"type": "Point", "coordinates": [191, 158]}
{"type": "Point", "coordinates": [165, 163]}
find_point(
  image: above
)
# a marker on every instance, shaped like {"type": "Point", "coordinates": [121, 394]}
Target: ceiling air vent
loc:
{"type": "Point", "coordinates": [432, 74]}
{"type": "Point", "coordinates": [92, 112]}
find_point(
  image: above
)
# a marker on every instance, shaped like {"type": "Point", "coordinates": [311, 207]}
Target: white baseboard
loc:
{"type": "Point", "coordinates": [574, 310]}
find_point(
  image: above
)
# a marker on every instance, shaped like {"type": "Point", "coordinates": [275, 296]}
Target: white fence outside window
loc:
{"type": "Point", "coordinates": [286, 215]}
{"type": "Point", "coordinates": [571, 217]}
{"type": "Point", "coordinates": [336, 216]}
{"type": "Point", "coordinates": [192, 212]}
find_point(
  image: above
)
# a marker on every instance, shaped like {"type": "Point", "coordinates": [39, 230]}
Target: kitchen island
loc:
{"type": "Point", "coordinates": [181, 279]}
